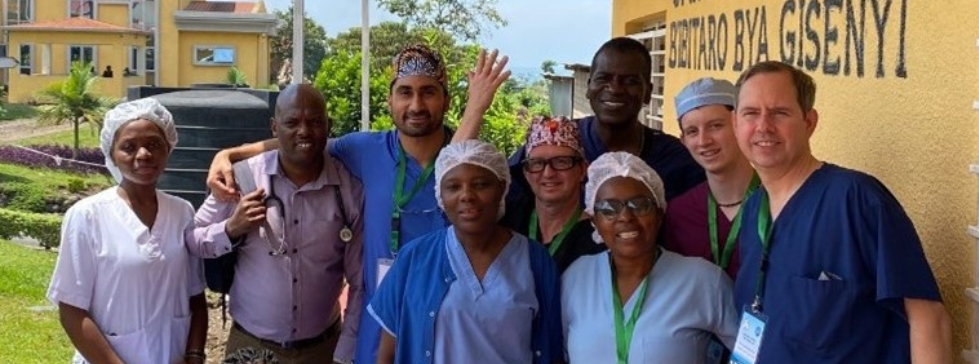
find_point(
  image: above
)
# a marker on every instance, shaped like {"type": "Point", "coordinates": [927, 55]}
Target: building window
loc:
{"type": "Point", "coordinates": [83, 54]}
{"type": "Point", "coordinates": [81, 9]}
{"type": "Point", "coordinates": [20, 11]}
{"type": "Point", "coordinates": [654, 38]}
{"type": "Point", "coordinates": [143, 14]}
{"type": "Point", "coordinates": [132, 68]}
{"type": "Point", "coordinates": [214, 55]}
{"type": "Point", "coordinates": [26, 59]}
{"type": "Point", "coordinates": [150, 59]}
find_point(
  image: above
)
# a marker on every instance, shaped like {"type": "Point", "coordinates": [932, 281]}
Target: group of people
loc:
{"type": "Point", "coordinates": [600, 241]}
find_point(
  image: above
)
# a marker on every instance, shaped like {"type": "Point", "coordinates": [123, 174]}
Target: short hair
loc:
{"type": "Point", "coordinates": [627, 45]}
{"type": "Point", "coordinates": [805, 86]}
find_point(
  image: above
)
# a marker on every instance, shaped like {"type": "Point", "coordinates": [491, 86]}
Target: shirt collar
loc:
{"type": "Point", "coordinates": [328, 177]}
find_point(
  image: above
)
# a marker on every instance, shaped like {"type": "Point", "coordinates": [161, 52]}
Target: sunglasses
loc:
{"type": "Point", "coordinates": [610, 209]}
{"type": "Point", "coordinates": [536, 165]}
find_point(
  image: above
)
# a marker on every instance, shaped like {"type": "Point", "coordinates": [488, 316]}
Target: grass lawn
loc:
{"type": "Point", "coordinates": [18, 111]}
{"type": "Point", "coordinates": [87, 138]}
{"type": "Point", "coordinates": [48, 179]}
{"type": "Point", "coordinates": [28, 336]}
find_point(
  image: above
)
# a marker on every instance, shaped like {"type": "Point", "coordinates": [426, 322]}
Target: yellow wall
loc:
{"type": "Point", "coordinates": [249, 56]}
{"type": "Point", "coordinates": [114, 13]}
{"type": "Point", "coordinates": [52, 10]}
{"type": "Point", "coordinates": [110, 47]}
{"type": "Point", "coordinates": [167, 50]}
{"type": "Point", "coordinates": [628, 15]}
{"type": "Point", "coordinates": [911, 126]}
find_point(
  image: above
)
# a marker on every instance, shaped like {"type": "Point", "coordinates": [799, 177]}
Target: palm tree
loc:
{"type": "Point", "coordinates": [74, 100]}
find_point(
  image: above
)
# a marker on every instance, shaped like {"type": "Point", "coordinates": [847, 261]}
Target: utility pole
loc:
{"type": "Point", "coordinates": [365, 66]}
{"type": "Point", "coordinates": [298, 20]}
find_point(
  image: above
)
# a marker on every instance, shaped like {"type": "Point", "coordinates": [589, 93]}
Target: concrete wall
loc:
{"type": "Point", "coordinates": [579, 101]}
{"type": "Point", "coordinates": [896, 80]}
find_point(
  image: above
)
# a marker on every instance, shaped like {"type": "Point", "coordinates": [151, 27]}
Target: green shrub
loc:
{"type": "Point", "coordinates": [46, 228]}
{"type": "Point", "coordinates": [76, 185]}
{"type": "Point", "coordinates": [25, 197]}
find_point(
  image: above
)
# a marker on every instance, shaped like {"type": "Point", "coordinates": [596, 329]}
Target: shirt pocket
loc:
{"type": "Point", "coordinates": [131, 347]}
{"type": "Point", "coordinates": [819, 312]}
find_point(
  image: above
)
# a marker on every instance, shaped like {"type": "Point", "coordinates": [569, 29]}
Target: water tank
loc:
{"type": "Point", "coordinates": [208, 121]}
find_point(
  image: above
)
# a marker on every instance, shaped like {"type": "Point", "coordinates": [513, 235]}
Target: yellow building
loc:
{"type": "Point", "coordinates": [897, 83]}
{"type": "Point", "coordinates": [168, 43]}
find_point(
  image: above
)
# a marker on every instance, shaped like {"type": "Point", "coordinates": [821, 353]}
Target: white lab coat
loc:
{"type": "Point", "coordinates": [133, 281]}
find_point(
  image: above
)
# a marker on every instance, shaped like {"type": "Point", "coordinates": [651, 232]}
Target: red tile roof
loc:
{"type": "Point", "coordinates": [74, 25]}
{"type": "Point", "coordinates": [221, 7]}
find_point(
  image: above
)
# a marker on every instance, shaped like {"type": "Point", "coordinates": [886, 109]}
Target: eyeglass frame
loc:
{"type": "Point", "coordinates": [545, 162]}
{"type": "Point", "coordinates": [631, 204]}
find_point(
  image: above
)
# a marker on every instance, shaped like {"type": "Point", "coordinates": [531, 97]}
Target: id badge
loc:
{"type": "Point", "coordinates": [383, 266]}
{"type": "Point", "coordinates": [750, 335]}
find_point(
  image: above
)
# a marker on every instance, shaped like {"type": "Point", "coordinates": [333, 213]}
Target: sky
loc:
{"type": "Point", "coordinates": [565, 31]}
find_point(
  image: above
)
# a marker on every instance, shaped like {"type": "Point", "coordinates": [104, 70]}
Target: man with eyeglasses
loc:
{"type": "Point", "coordinates": [555, 169]}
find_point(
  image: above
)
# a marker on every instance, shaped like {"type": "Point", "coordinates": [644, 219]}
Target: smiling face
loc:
{"type": "Point", "coordinates": [708, 134]}
{"type": "Point", "coordinates": [627, 234]}
{"type": "Point", "coordinates": [551, 185]}
{"type": "Point", "coordinates": [418, 105]}
{"type": "Point", "coordinates": [772, 129]}
{"type": "Point", "coordinates": [300, 124]}
{"type": "Point", "coordinates": [619, 86]}
{"type": "Point", "coordinates": [471, 197]}
{"type": "Point", "coordinates": [140, 151]}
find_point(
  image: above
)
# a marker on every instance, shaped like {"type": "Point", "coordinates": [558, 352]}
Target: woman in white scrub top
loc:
{"type": "Point", "coordinates": [127, 291]}
{"type": "Point", "coordinates": [637, 303]}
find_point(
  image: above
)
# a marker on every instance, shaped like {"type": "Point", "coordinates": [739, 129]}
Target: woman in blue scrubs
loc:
{"type": "Point", "coordinates": [475, 292]}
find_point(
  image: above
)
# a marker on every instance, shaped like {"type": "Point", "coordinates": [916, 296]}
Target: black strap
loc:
{"type": "Point", "coordinates": [343, 209]}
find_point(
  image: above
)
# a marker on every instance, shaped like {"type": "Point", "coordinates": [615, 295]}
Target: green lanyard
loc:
{"type": "Point", "coordinates": [624, 329]}
{"type": "Point", "coordinates": [400, 200]}
{"type": "Point", "coordinates": [559, 239]}
{"type": "Point", "coordinates": [765, 234]}
{"type": "Point", "coordinates": [724, 260]}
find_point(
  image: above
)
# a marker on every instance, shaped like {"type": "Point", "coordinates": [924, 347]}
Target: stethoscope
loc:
{"type": "Point", "coordinates": [346, 234]}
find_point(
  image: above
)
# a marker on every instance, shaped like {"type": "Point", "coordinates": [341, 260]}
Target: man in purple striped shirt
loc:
{"type": "Point", "coordinates": [298, 235]}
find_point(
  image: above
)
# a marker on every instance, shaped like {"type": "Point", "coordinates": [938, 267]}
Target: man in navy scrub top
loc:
{"type": "Point", "coordinates": [830, 262]}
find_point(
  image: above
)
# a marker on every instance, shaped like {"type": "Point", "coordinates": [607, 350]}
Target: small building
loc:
{"type": "Point", "coordinates": [170, 43]}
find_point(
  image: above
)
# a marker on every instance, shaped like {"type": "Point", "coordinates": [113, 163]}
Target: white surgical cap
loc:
{"type": "Point", "coordinates": [477, 153]}
{"type": "Point", "coordinates": [146, 109]}
{"type": "Point", "coordinates": [621, 164]}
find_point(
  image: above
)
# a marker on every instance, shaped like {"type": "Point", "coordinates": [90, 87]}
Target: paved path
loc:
{"type": "Point", "coordinates": [26, 128]}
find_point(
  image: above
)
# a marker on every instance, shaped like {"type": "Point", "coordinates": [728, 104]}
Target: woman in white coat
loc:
{"type": "Point", "coordinates": [127, 291]}
{"type": "Point", "coordinates": [637, 303]}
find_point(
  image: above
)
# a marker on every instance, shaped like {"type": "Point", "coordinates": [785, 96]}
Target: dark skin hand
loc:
{"type": "Point", "coordinates": [86, 336]}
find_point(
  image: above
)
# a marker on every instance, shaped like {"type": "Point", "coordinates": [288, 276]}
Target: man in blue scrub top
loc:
{"type": "Point", "coordinates": [394, 165]}
{"type": "Point", "coordinates": [845, 279]}
{"type": "Point", "coordinates": [618, 89]}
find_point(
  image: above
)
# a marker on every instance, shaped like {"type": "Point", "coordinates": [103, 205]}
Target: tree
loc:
{"type": "Point", "coordinates": [314, 44]}
{"type": "Point", "coordinates": [548, 66]}
{"type": "Point", "coordinates": [74, 100]}
{"type": "Point", "coordinates": [387, 39]}
{"type": "Point", "coordinates": [465, 19]}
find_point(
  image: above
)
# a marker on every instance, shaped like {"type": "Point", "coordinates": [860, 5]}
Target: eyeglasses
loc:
{"type": "Point", "coordinates": [610, 209]}
{"type": "Point", "coordinates": [535, 165]}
